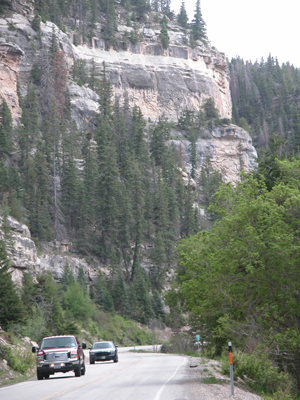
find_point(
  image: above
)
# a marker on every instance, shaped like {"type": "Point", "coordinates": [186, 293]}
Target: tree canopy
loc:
{"type": "Point", "coordinates": [246, 269]}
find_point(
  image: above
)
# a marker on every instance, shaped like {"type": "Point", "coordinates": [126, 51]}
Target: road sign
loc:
{"type": "Point", "coordinates": [198, 338]}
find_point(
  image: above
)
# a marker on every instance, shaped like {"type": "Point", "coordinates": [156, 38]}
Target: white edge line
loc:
{"type": "Point", "coordinates": [157, 397]}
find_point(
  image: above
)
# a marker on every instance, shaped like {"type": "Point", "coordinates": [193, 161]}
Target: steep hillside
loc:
{"type": "Point", "coordinates": [120, 133]}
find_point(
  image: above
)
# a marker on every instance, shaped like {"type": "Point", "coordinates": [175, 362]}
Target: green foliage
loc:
{"type": "Point", "coordinates": [211, 112]}
{"type": "Point", "coordinates": [67, 279]}
{"type": "Point", "coordinates": [79, 72]}
{"type": "Point", "coordinates": [36, 23]}
{"type": "Point", "coordinates": [121, 331]}
{"type": "Point", "coordinates": [182, 17]}
{"type": "Point", "coordinates": [164, 37]}
{"type": "Point", "coordinates": [247, 265]}
{"type": "Point", "coordinates": [6, 130]}
{"type": "Point", "coordinates": [36, 74]}
{"type": "Point", "coordinates": [18, 360]}
{"type": "Point", "coordinates": [11, 309]}
{"type": "Point", "coordinates": [259, 370]}
{"type": "Point", "coordinates": [264, 94]}
{"type": "Point", "coordinates": [77, 302]}
{"type": "Point", "coordinates": [198, 26]}
{"type": "Point", "coordinates": [158, 306]}
{"type": "Point", "coordinates": [244, 124]}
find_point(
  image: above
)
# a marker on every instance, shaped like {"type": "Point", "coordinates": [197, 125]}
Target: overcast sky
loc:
{"type": "Point", "coordinates": [251, 29]}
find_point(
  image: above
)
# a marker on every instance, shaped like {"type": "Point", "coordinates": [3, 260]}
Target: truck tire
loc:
{"type": "Point", "coordinates": [39, 375]}
{"type": "Point", "coordinates": [83, 369]}
{"type": "Point", "coordinates": [78, 370]}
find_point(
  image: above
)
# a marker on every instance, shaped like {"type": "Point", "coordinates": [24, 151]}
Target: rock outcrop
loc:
{"type": "Point", "coordinates": [229, 149]}
{"type": "Point", "coordinates": [10, 59]}
{"type": "Point", "coordinates": [164, 81]}
{"type": "Point", "coordinates": [54, 256]}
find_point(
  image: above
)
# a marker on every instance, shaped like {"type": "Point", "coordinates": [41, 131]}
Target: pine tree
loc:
{"type": "Point", "coordinates": [103, 296]}
{"type": "Point", "coordinates": [141, 8]}
{"type": "Point", "coordinates": [138, 212]}
{"type": "Point", "coordinates": [29, 129]}
{"type": "Point", "coordinates": [110, 26]}
{"type": "Point", "coordinates": [69, 194]}
{"type": "Point", "coordinates": [158, 269]}
{"type": "Point", "coordinates": [158, 306]}
{"type": "Point", "coordinates": [60, 78]}
{"type": "Point", "coordinates": [81, 279]}
{"type": "Point", "coordinates": [43, 200]}
{"type": "Point", "coordinates": [182, 18]}
{"type": "Point", "coordinates": [164, 36]}
{"type": "Point", "coordinates": [198, 25]}
{"type": "Point", "coordinates": [11, 309]}
{"type": "Point", "coordinates": [53, 43]}
{"type": "Point", "coordinates": [160, 134]}
{"type": "Point", "coordinates": [67, 278]}
{"type": "Point", "coordinates": [4, 185]}
{"type": "Point", "coordinates": [139, 298]}
{"type": "Point", "coordinates": [120, 296]}
{"type": "Point", "coordinates": [6, 129]}
{"type": "Point", "coordinates": [138, 135]}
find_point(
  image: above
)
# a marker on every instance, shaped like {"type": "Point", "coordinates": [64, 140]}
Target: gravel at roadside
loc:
{"type": "Point", "coordinates": [200, 370]}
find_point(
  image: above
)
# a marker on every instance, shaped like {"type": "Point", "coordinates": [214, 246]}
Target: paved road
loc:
{"type": "Point", "coordinates": [137, 376]}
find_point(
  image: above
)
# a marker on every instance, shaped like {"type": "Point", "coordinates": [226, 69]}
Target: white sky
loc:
{"type": "Point", "coordinates": [251, 29]}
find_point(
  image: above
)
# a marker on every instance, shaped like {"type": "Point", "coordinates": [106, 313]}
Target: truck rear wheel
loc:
{"type": "Point", "coordinates": [39, 375]}
{"type": "Point", "coordinates": [78, 370]}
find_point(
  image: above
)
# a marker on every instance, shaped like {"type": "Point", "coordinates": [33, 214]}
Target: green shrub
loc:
{"type": "Point", "coordinates": [257, 370]}
{"type": "Point", "coordinates": [16, 359]}
{"type": "Point", "coordinates": [109, 326]}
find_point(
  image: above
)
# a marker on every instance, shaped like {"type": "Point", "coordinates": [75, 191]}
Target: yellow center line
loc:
{"type": "Point", "coordinates": [92, 381]}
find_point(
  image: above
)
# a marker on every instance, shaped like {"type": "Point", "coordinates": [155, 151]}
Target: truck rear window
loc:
{"type": "Point", "coordinates": [58, 342]}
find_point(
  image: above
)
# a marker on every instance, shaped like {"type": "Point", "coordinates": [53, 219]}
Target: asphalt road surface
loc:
{"type": "Point", "coordinates": [137, 376]}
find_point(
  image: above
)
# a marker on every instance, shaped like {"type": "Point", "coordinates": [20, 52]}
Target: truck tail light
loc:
{"type": "Point", "coordinates": [40, 356]}
{"type": "Point", "coordinates": [74, 355]}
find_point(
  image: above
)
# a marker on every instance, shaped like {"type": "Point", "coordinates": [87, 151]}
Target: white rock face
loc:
{"type": "Point", "coordinates": [164, 81]}
{"type": "Point", "coordinates": [229, 148]}
{"type": "Point", "coordinates": [24, 256]}
{"type": "Point", "coordinates": [10, 59]}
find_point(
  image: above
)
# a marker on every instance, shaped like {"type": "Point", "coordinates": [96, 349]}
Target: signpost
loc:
{"type": "Point", "coordinates": [198, 342]}
{"type": "Point", "coordinates": [231, 367]}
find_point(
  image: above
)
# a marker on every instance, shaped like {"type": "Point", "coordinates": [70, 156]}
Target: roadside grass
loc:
{"type": "Point", "coordinates": [17, 363]}
{"type": "Point", "coordinates": [6, 380]}
{"type": "Point", "coordinates": [256, 371]}
{"type": "Point", "coordinates": [211, 380]}
{"type": "Point", "coordinates": [109, 326]}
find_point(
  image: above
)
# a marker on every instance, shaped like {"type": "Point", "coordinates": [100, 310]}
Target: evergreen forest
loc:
{"type": "Point", "coordinates": [114, 190]}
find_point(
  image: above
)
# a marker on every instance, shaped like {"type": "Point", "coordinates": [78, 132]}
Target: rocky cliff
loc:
{"type": "Point", "coordinates": [157, 80]}
{"type": "Point", "coordinates": [52, 257]}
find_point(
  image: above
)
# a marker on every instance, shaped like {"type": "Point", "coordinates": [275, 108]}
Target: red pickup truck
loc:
{"type": "Point", "coordinates": [59, 354]}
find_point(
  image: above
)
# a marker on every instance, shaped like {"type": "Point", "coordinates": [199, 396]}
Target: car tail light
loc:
{"type": "Point", "coordinates": [40, 356]}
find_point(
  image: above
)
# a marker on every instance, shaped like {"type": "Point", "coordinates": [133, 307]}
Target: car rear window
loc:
{"type": "Point", "coordinates": [58, 342]}
{"type": "Point", "coordinates": [103, 345]}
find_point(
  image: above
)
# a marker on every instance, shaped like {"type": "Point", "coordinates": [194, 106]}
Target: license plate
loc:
{"type": "Point", "coordinates": [102, 357]}
{"type": "Point", "coordinates": [56, 366]}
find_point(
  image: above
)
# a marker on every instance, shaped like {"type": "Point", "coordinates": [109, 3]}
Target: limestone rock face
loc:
{"type": "Point", "coordinates": [163, 81]}
{"type": "Point", "coordinates": [10, 59]}
{"type": "Point", "coordinates": [24, 256]}
{"type": "Point", "coordinates": [23, 7]}
{"type": "Point", "coordinates": [157, 80]}
{"type": "Point", "coordinates": [229, 148]}
{"type": "Point", "coordinates": [84, 104]}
